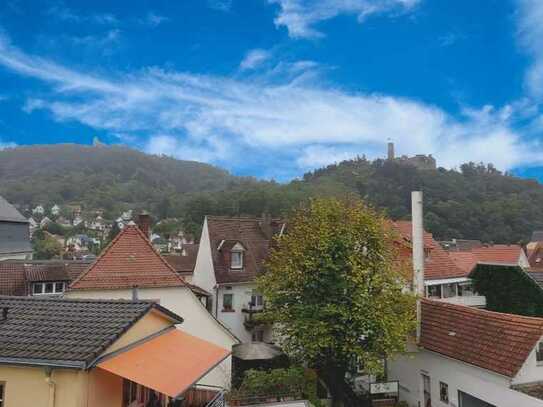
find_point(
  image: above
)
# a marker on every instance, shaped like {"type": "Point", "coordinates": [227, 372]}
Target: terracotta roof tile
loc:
{"type": "Point", "coordinates": [438, 265]}
{"type": "Point", "coordinates": [464, 260]}
{"type": "Point", "coordinates": [498, 254]}
{"type": "Point", "coordinates": [252, 234]}
{"type": "Point", "coordinates": [497, 342]}
{"type": "Point", "coordinates": [129, 261]}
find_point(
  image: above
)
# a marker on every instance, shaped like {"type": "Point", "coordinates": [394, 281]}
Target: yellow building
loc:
{"type": "Point", "coordinates": [97, 353]}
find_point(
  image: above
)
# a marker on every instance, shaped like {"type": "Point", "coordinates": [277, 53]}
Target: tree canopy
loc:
{"type": "Point", "coordinates": [334, 292]}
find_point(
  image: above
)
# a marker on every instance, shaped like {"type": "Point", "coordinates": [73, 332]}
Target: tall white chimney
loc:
{"type": "Point", "coordinates": [417, 241]}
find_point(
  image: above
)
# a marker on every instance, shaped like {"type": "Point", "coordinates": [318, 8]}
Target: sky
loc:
{"type": "Point", "coordinates": [275, 88]}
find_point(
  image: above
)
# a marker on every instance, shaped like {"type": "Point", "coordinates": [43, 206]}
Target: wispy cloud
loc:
{"type": "Point", "coordinates": [221, 5]}
{"type": "Point", "coordinates": [301, 16]}
{"type": "Point", "coordinates": [279, 125]}
{"type": "Point", "coordinates": [61, 12]}
{"type": "Point", "coordinates": [152, 19]}
{"type": "Point", "coordinates": [254, 58]}
{"type": "Point", "coordinates": [530, 36]}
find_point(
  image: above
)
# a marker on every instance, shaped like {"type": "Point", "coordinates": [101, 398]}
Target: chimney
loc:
{"type": "Point", "coordinates": [144, 223]}
{"type": "Point", "coordinates": [417, 241]}
{"type": "Point", "coordinates": [266, 225]}
{"type": "Point", "coordinates": [390, 154]}
{"type": "Point", "coordinates": [4, 315]}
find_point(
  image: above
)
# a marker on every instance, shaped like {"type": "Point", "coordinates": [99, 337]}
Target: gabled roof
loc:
{"type": "Point", "coordinates": [8, 213]}
{"type": "Point", "coordinates": [66, 332]}
{"type": "Point", "coordinates": [128, 261]}
{"type": "Point", "coordinates": [254, 234]}
{"type": "Point", "coordinates": [438, 265]}
{"type": "Point", "coordinates": [494, 341]}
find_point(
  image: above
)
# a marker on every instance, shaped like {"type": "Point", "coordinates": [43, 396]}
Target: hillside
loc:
{"type": "Point", "coordinates": [477, 202]}
{"type": "Point", "coordinates": [112, 178]}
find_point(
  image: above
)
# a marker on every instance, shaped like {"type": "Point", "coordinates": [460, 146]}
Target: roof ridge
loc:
{"type": "Point", "coordinates": [473, 311]}
{"type": "Point", "coordinates": [78, 300]}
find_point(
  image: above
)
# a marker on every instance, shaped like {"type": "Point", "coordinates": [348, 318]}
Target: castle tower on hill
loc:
{"type": "Point", "coordinates": [420, 161]}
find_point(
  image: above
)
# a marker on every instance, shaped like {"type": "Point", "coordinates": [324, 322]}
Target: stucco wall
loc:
{"type": "Point", "coordinates": [204, 274]}
{"type": "Point", "coordinates": [197, 321]}
{"type": "Point", "coordinates": [487, 386]}
{"type": "Point", "coordinates": [27, 387]}
{"type": "Point", "coordinates": [234, 319]}
{"type": "Point", "coordinates": [531, 371]}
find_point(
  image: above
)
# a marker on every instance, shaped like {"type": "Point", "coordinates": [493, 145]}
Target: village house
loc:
{"type": "Point", "coordinates": [14, 233]}
{"type": "Point", "coordinates": [468, 357]}
{"type": "Point", "coordinates": [98, 353]}
{"type": "Point", "coordinates": [38, 277]}
{"type": "Point", "coordinates": [38, 210]}
{"type": "Point", "coordinates": [184, 261]}
{"type": "Point", "coordinates": [130, 268]}
{"type": "Point", "coordinates": [230, 256]}
{"type": "Point", "coordinates": [55, 210]}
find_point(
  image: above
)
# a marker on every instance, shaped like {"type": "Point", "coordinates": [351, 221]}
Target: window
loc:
{"type": "Point", "coordinates": [449, 290]}
{"type": "Point", "coordinates": [236, 260]}
{"type": "Point", "coordinates": [444, 392]}
{"type": "Point", "coordinates": [257, 301]}
{"type": "Point", "coordinates": [465, 289]}
{"type": "Point", "coordinates": [539, 353]}
{"type": "Point", "coordinates": [2, 393]}
{"type": "Point", "coordinates": [228, 302]}
{"type": "Point", "coordinates": [48, 288]}
{"type": "Point", "coordinates": [434, 291]}
{"type": "Point", "coordinates": [258, 336]}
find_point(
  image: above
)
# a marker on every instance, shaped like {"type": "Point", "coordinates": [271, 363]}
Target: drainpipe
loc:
{"type": "Point", "coordinates": [417, 241]}
{"type": "Point", "coordinates": [52, 386]}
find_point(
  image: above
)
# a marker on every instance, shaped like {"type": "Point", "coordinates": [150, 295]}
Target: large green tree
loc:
{"type": "Point", "coordinates": [335, 292]}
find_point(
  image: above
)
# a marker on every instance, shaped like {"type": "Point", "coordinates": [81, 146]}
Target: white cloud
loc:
{"type": "Point", "coordinates": [279, 126]}
{"type": "Point", "coordinates": [530, 36]}
{"type": "Point", "coordinates": [254, 59]}
{"type": "Point", "coordinates": [153, 20]}
{"type": "Point", "coordinates": [5, 144]}
{"type": "Point", "coordinates": [64, 13]}
{"type": "Point", "coordinates": [300, 16]}
{"type": "Point", "coordinates": [221, 5]}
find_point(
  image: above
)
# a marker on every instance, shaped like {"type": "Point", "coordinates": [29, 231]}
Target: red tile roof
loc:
{"type": "Point", "coordinates": [252, 234]}
{"type": "Point", "coordinates": [497, 342]}
{"type": "Point", "coordinates": [438, 265]}
{"type": "Point", "coordinates": [129, 261]}
{"type": "Point", "coordinates": [464, 260]}
{"type": "Point", "coordinates": [498, 254]}
{"type": "Point", "coordinates": [184, 262]}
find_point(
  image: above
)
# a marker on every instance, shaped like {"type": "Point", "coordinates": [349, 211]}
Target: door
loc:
{"type": "Point", "coordinates": [426, 391]}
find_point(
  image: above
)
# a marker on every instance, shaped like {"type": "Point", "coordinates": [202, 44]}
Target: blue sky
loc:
{"type": "Point", "coordinates": [273, 88]}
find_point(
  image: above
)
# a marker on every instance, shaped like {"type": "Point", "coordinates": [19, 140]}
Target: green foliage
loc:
{"type": "Point", "coordinates": [508, 289]}
{"type": "Point", "coordinates": [293, 382]}
{"type": "Point", "coordinates": [477, 202]}
{"type": "Point", "coordinates": [45, 247]}
{"type": "Point", "coordinates": [56, 229]}
{"type": "Point", "coordinates": [334, 291]}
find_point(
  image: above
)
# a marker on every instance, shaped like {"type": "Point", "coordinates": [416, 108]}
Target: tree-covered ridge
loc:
{"type": "Point", "coordinates": [475, 202]}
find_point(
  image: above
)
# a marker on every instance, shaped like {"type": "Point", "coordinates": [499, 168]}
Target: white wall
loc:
{"type": "Point", "coordinates": [204, 274]}
{"type": "Point", "coordinates": [485, 385]}
{"type": "Point", "coordinates": [197, 321]}
{"type": "Point", "coordinates": [16, 256]}
{"type": "Point", "coordinates": [235, 319]}
{"type": "Point", "coordinates": [531, 371]}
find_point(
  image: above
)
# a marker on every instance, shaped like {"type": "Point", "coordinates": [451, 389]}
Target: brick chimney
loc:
{"type": "Point", "coordinates": [144, 221]}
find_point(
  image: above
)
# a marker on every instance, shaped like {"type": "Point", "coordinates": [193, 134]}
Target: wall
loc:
{"type": "Point", "coordinates": [26, 387]}
{"type": "Point", "coordinates": [485, 385]}
{"type": "Point", "coordinates": [531, 371]}
{"type": "Point", "coordinates": [197, 321]}
{"type": "Point", "coordinates": [204, 274]}
{"type": "Point", "coordinates": [234, 319]}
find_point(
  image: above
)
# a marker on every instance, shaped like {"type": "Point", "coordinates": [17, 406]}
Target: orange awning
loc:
{"type": "Point", "coordinates": [170, 363]}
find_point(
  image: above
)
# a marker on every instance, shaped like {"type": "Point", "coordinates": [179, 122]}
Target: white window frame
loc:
{"type": "Point", "coordinates": [257, 300]}
{"type": "Point", "coordinates": [231, 302]}
{"type": "Point", "coordinates": [43, 284]}
{"type": "Point", "coordinates": [446, 386]}
{"type": "Point", "coordinates": [237, 266]}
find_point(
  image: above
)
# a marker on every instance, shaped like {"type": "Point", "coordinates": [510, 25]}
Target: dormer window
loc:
{"type": "Point", "coordinates": [236, 260]}
{"type": "Point", "coordinates": [236, 256]}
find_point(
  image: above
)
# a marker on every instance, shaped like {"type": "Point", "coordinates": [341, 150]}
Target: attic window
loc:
{"type": "Point", "coordinates": [236, 259]}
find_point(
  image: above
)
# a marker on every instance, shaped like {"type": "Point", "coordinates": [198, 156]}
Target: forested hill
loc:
{"type": "Point", "coordinates": [476, 202]}
{"type": "Point", "coordinates": [112, 177]}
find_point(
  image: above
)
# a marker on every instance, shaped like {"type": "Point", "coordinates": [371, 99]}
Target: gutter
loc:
{"type": "Point", "coordinates": [43, 362]}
